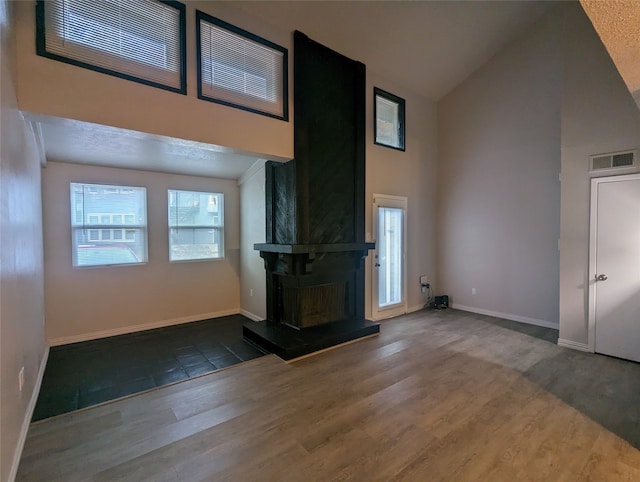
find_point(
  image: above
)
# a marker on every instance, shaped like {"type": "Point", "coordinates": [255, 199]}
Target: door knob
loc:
{"type": "Point", "coordinates": [377, 265]}
{"type": "Point", "coordinates": [601, 277]}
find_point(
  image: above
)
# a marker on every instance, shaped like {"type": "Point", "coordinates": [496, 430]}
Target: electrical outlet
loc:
{"type": "Point", "coordinates": [473, 291]}
{"type": "Point", "coordinates": [21, 379]}
{"type": "Point", "coordinates": [424, 279]}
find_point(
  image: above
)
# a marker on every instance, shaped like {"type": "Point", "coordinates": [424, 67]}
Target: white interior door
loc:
{"type": "Point", "coordinates": [388, 280]}
{"type": "Point", "coordinates": [615, 266]}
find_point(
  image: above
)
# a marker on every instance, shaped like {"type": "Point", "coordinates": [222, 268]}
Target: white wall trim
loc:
{"type": "Point", "coordinates": [251, 316]}
{"type": "Point", "coordinates": [17, 455]}
{"type": "Point", "coordinates": [507, 316]}
{"type": "Point", "coordinates": [249, 173]}
{"type": "Point", "coordinates": [574, 345]}
{"type": "Point", "coordinates": [64, 340]}
{"type": "Point", "coordinates": [38, 140]}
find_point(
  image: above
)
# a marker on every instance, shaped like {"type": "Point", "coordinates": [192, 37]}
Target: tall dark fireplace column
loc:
{"type": "Point", "coordinates": [315, 243]}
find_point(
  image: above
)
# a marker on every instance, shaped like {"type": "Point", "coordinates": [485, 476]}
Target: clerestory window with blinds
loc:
{"type": "Point", "coordinates": [239, 69]}
{"type": "Point", "coordinates": [139, 40]}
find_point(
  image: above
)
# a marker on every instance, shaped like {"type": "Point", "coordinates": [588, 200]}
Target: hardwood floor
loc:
{"type": "Point", "coordinates": [438, 396]}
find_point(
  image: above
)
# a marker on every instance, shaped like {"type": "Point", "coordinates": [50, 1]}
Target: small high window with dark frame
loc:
{"type": "Point", "coordinates": [389, 119]}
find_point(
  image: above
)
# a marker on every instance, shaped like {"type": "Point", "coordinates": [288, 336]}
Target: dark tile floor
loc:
{"type": "Point", "coordinates": [84, 374]}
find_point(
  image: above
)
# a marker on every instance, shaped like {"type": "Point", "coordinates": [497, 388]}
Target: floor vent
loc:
{"type": "Point", "coordinates": [613, 161]}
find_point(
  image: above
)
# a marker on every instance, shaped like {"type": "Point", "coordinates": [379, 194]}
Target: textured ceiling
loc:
{"type": "Point", "coordinates": [618, 25]}
{"type": "Point", "coordinates": [86, 143]}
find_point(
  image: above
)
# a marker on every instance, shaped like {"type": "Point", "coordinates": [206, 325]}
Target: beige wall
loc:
{"type": "Point", "coordinates": [412, 174]}
{"type": "Point", "coordinates": [22, 342]}
{"type": "Point", "coordinates": [54, 88]}
{"type": "Point", "coordinates": [85, 303]}
{"type": "Point", "coordinates": [499, 192]}
{"type": "Point", "coordinates": [599, 116]}
{"type": "Point", "coordinates": [253, 286]}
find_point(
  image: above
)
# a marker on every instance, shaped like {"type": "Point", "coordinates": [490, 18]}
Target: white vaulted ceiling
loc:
{"type": "Point", "coordinates": [429, 46]}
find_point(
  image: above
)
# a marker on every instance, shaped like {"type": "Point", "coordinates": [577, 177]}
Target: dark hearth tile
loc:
{"type": "Point", "coordinates": [243, 350]}
{"type": "Point", "coordinates": [90, 398]}
{"type": "Point", "coordinates": [200, 369]}
{"type": "Point", "coordinates": [289, 343]}
{"type": "Point", "coordinates": [59, 383]}
{"type": "Point", "coordinates": [165, 366]}
{"type": "Point", "coordinates": [191, 360]}
{"type": "Point", "coordinates": [130, 376]}
{"type": "Point", "coordinates": [188, 350]}
{"type": "Point", "coordinates": [86, 373]}
{"type": "Point", "coordinates": [96, 385]}
{"type": "Point", "coordinates": [226, 361]}
{"type": "Point", "coordinates": [139, 385]}
{"type": "Point", "coordinates": [214, 351]}
{"type": "Point", "coordinates": [52, 404]}
{"type": "Point", "coordinates": [169, 377]}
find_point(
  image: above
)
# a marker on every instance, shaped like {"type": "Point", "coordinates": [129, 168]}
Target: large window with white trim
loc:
{"type": "Point", "coordinates": [240, 69]}
{"type": "Point", "coordinates": [139, 40]}
{"type": "Point", "coordinates": [196, 225]}
{"type": "Point", "coordinates": [108, 224]}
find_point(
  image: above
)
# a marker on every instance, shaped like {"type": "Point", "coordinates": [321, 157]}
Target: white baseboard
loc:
{"type": "Point", "coordinates": [64, 340]}
{"type": "Point", "coordinates": [507, 316]}
{"type": "Point", "coordinates": [251, 316]}
{"type": "Point", "coordinates": [574, 345]}
{"type": "Point", "coordinates": [17, 455]}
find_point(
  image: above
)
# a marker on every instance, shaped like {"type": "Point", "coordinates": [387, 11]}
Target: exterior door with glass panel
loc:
{"type": "Point", "coordinates": [388, 278]}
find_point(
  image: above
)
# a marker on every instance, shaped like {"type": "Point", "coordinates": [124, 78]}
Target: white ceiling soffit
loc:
{"type": "Point", "coordinates": [78, 142]}
{"type": "Point", "coordinates": [618, 25]}
{"type": "Point", "coordinates": [429, 47]}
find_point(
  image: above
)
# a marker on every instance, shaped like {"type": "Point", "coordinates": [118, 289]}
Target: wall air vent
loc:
{"type": "Point", "coordinates": [613, 161]}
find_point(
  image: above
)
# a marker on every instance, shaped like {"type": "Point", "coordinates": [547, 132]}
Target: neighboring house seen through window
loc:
{"type": "Point", "coordinates": [108, 224]}
{"type": "Point", "coordinates": [196, 225]}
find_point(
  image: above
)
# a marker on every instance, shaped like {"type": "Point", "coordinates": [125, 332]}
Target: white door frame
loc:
{"type": "Point", "coordinates": [401, 202]}
{"type": "Point", "coordinates": [593, 236]}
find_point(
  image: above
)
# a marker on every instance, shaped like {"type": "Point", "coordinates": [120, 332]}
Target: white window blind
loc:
{"type": "Point", "coordinates": [141, 40]}
{"type": "Point", "coordinates": [240, 69]}
{"type": "Point", "coordinates": [389, 119]}
{"type": "Point", "coordinates": [196, 225]}
{"type": "Point", "coordinates": [108, 224]}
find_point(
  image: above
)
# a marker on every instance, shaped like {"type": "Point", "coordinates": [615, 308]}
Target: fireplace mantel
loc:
{"type": "Point", "coordinates": [312, 248]}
